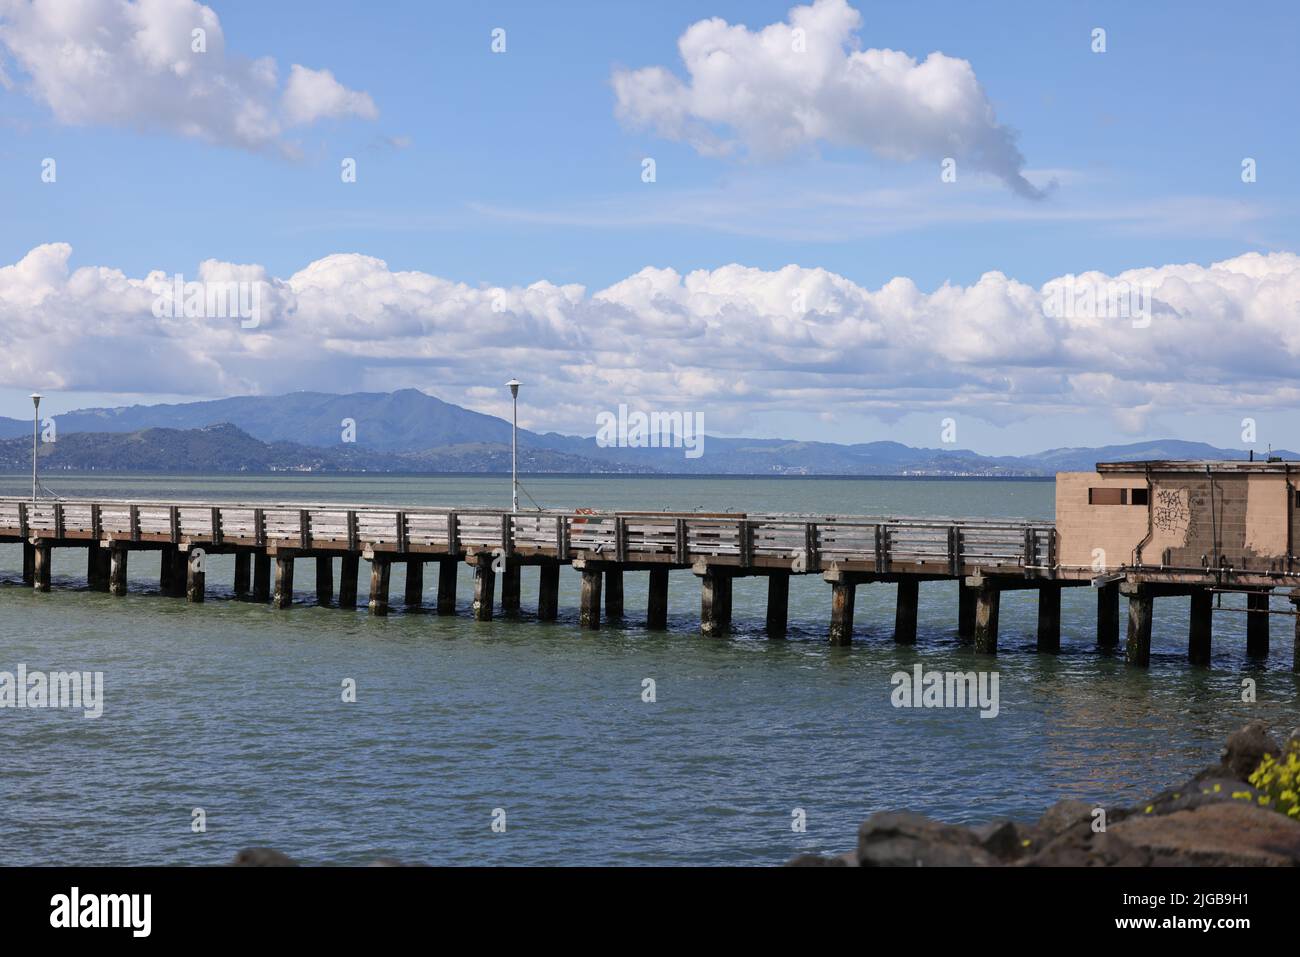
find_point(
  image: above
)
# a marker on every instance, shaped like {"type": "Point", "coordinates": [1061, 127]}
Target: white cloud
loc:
{"type": "Point", "coordinates": [738, 343]}
{"type": "Point", "coordinates": [314, 94]}
{"type": "Point", "coordinates": [794, 84]}
{"type": "Point", "coordinates": [130, 63]}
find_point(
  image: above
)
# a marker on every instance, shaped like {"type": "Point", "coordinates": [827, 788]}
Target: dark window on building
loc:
{"type": "Point", "coordinates": [1107, 496]}
{"type": "Point", "coordinates": [1140, 496]}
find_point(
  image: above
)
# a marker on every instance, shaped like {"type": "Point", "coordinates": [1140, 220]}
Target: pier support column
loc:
{"type": "Point", "coordinates": [988, 603]}
{"type": "Point", "coordinates": [195, 576]}
{"type": "Point", "coordinates": [261, 576]}
{"type": "Point", "coordinates": [715, 603]}
{"type": "Point", "coordinates": [548, 592]}
{"type": "Point", "coordinates": [613, 594]}
{"type": "Point", "coordinates": [1049, 618]}
{"type": "Point", "coordinates": [778, 604]}
{"type": "Point", "coordinates": [485, 586]}
{"type": "Point", "coordinates": [29, 563]}
{"type": "Point", "coordinates": [381, 568]}
{"type": "Point", "coordinates": [656, 617]}
{"type": "Point", "coordinates": [511, 576]}
{"type": "Point", "coordinates": [243, 574]}
{"type": "Point", "coordinates": [283, 580]}
{"type": "Point", "coordinates": [1257, 624]}
{"type": "Point", "coordinates": [909, 592]}
{"type": "Point", "coordinates": [41, 568]}
{"type": "Point", "coordinates": [167, 567]}
{"type": "Point", "coordinates": [1295, 648]}
{"type": "Point", "coordinates": [349, 569]}
{"type": "Point", "coordinates": [447, 569]}
{"type": "Point", "coordinates": [1137, 645]}
{"type": "Point", "coordinates": [413, 596]}
{"type": "Point", "coordinates": [966, 596]}
{"type": "Point", "coordinates": [117, 570]}
{"type": "Point", "coordinates": [1108, 616]}
{"type": "Point", "coordinates": [843, 594]}
{"type": "Point", "coordinates": [97, 567]}
{"type": "Point", "coordinates": [589, 603]}
{"type": "Point", "coordinates": [324, 580]}
{"type": "Point", "coordinates": [1200, 627]}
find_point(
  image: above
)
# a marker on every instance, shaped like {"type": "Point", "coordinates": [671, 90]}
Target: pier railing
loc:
{"type": "Point", "coordinates": [880, 544]}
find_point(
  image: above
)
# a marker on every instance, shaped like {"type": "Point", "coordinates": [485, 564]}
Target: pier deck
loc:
{"type": "Point", "coordinates": [986, 557]}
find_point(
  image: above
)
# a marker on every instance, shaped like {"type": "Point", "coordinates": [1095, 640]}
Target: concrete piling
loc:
{"type": "Point", "coordinates": [905, 611]}
{"type": "Point", "coordinates": [778, 604]}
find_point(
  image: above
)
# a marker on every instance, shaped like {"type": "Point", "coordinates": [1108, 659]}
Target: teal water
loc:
{"type": "Point", "coordinates": [236, 708]}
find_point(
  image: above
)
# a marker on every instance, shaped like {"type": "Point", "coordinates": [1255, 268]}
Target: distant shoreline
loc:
{"type": "Point", "coordinates": [533, 476]}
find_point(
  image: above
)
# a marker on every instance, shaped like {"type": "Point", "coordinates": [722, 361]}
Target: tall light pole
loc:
{"type": "Point", "coordinates": [36, 425]}
{"type": "Point", "coordinates": [514, 446]}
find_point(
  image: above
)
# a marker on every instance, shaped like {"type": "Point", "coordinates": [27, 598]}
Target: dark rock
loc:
{"type": "Point", "coordinates": [903, 839]}
{"type": "Point", "coordinates": [816, 860]}
{"type": "Point", "coordinates": [262, 857]}
{"type": "Point", "coordinates": [1246, 748]}
{"type": "Point", "coordinates": [1086, 848]}
{"type": "Point", "coordinates": [1006, 840]}
{"type": "Point", "coordinates": [1222, 834]}
{"type": "Point", "coordinates": [1064, 816]}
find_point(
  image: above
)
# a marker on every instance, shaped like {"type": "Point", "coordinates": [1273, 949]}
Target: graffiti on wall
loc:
{"type": "Point", "coordinates": [1172, 514]}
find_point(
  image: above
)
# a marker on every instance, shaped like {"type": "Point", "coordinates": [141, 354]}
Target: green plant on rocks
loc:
{"type": "Point", "coordinates": [1278, 781]}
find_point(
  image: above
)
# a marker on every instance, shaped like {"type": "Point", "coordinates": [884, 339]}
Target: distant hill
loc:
{"type": "Point", "coordinates": [226, 448]}
{"type": "Point", "coordinates": [411, 431]}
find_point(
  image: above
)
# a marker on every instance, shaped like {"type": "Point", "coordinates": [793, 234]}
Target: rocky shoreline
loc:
{"type": "Point", "coordinates": [1215, 819]}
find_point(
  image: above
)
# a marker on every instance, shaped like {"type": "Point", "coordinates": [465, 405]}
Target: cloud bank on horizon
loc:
{"type": "Point", "coordinates": [735, 342]}
{"type": "Point", "coordinates": [134, 65]}
{"type": "Point", "coordinates": [792, 85]}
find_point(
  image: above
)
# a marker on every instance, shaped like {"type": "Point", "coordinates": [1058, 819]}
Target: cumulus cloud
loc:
{"type": "Point", "coordinates": [794, 84]}
{"type": "Point", "coordinates": [133, 63]}
{"type": "Point", "coordinates": [736, 342]}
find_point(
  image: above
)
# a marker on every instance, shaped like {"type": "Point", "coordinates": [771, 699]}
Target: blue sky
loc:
{"type": "Point", "coordinates": [506, 169]}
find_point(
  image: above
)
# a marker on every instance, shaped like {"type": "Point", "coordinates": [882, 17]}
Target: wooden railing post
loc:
{"type": "Point", "coordinates": [134, 521]}
{"type": "Point", "coordinates": [174, 523]}
{"type": "Point", "coordinates": [304, 528]}
{"type": "Point", "coordinates": [24, 527]}
{"type": "Point", "coordinates": [681, 550]}
{"type": "Point", "coordinates": [216, 526]}
{"type": "Point", "coordinates": [453, 534]}
{"type": "Point", "coordinates": [745, 533]}
{"type": "Point", "coordinates": [58, 519]}
{"type": "Point", "coordinates": [354, 532]}
{"type": "Point", "coordinates": [620, 538]}
{"type": "Point", "coordinates": [259, 527]}
{"type": "Point", "coordinates": [400, 521]}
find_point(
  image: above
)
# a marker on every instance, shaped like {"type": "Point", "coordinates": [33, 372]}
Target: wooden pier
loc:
{"type": "Point", "coordinates": [986, 558]}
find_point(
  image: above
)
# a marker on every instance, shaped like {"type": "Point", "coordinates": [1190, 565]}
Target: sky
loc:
{"type": "Point", "coordinates": [835, 221]}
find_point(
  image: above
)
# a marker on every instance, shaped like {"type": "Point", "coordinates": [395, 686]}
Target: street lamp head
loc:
{"type": "Point", "coordinates": [514, 387]}
{"type": "Point", "coordinates": [36, 399]}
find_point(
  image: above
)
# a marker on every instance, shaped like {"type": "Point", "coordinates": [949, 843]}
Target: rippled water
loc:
{"type": "Point", "coordinates": [236, 708]}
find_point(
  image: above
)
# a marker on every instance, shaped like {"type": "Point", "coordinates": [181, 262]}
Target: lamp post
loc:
{"type": "Point", "coordinates": [36, 424]}
{"type": "Point", "coordinates": [514, 446]}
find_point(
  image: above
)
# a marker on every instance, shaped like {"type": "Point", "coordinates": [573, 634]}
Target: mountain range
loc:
{"type": "Point", "coordinates": [410, 431]}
